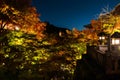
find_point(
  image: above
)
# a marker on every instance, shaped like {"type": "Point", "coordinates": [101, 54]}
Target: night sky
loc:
{"type": "Point", "coordinates": [71, 13]}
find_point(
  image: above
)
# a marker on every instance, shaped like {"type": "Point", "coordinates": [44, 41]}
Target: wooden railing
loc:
{"type": "Point", "coordinates": [97, 55]}
{"type": "Point", "coordinates": [110, 63]}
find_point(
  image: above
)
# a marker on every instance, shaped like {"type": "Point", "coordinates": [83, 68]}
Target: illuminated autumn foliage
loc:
{"type": "Point", "coordinates": [31, 56]}
{"type": "Point", "coordinates": [10, 10]}
{"type": "Point", "coordinates": [34, 50]}
{"type": "Point", "coordinates": [107, 22]}
{"type": "Point", "coordinates": [28, 47]}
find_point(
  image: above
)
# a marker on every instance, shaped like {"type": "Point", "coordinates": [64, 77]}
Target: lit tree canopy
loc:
{"type": "Point", "coordinates": [40, 50]}
{"type": "Point", "coordinates": [25, 17]}
{"type": "Point", "coordinates": [110, 21]}
{"type": "Point", "coordinates": [107, 22]}
{"type": "Point", "coordinates": [10, 10]}
{"type": "Point", "coordinates": [42, 58]}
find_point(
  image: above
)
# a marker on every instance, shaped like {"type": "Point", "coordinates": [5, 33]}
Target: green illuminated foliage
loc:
{"type": "Point", "coordinates": [32, 52]}
{"type": "Point", "coordinates": [37, 57]}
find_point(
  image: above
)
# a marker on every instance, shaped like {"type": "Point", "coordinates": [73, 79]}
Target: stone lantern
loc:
{"type": "Point", "coordinates": [103, 41]}
{"type": "Point", "coordinates": [115, 43]}
{"type": "Point", "coordinates": [115, 39]}
{"type": "Point", "coordinates": [102, 38]}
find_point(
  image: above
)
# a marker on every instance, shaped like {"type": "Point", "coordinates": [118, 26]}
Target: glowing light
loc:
{"type": "Point", "coordinates": [115, 41]}
{"type": "Point", "coordinates": [17, 28]}
{"type": "Point", "coordinates": [102, 38]}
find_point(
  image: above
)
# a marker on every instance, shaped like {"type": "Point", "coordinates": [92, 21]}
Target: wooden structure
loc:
{"type": "Point", "coordinates": [107, 55]}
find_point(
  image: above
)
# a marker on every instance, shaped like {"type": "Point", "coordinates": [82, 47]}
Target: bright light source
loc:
{"type": "Point", "coordinates": [102, 37]}
{"type": "Point", "coordinates": [115, 41]}
{"type": "Point", "coordinates": [17, 28]}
